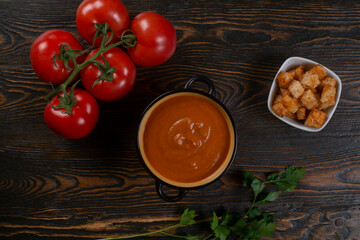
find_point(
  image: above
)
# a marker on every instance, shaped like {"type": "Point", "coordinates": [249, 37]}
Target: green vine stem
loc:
{"type": "Point", "coordinates": [127, 39]}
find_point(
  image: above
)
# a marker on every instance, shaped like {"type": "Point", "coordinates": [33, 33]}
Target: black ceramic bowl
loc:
{"type": "Point", "coordinates": [182, 187]}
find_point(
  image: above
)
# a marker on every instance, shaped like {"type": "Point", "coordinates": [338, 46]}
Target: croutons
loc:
{"type": "Point", "coordinates": [284, 79]}
{"type": "Point", "coordinates": [304, 94]}
{"type": "Point", "coordinates": [315, 119]}
{"type": "Point", "coordinates": [309, 100]}
{"type": "Point", "coordinates": [296, 88]}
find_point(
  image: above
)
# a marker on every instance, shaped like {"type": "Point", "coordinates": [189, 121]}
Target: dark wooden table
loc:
{"type": "Point", "coordinates": [56, 188]}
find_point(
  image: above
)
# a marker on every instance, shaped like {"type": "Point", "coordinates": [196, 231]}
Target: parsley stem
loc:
{"type": "Point", "coordinates": [143, 234]}
{"type": "Point", "coordinates": [173, 235]}
{"type": "Point", "coordinates": [209, 236]}
{"type": "Point", "coordinates": [252, 204]}
{"type": "Point", "coordinates": [162, 231]}
{"type": "Point", "coordinates": [273, 181]}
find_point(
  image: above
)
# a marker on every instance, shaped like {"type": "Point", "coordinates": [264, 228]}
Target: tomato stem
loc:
{"type": "Point", "coordinates": [127, 39]}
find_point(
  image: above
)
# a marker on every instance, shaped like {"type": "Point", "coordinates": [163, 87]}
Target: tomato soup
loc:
{"type": "Point", "coordinates": [186, 139]}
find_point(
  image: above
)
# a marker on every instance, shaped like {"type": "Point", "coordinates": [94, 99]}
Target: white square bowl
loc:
{"type": "Point", "coordinates": [292, 63]}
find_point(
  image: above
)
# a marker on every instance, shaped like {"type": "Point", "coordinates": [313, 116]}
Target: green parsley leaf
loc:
{"type": "Point", "coordinates": [271, 196]}
{"type": "Point", "coordinates": [226, 218]}
{"type": "Point", "coordinates": [257, 186]}
{"type": "Point", "coordinates": [290, 179]}
{"type": "Point", "coordinates": [221, 230]}
{"type": "Point", "coordinates": [240, 226]}
{"type": "Point", "coordinates": [265, 229]}
{"type": "Point", "coordinates": [266, 225]}
{"type": "Point", "coordinates": [254, 212]}
{"type": "Point", "coordinates": [215, 222]}
{"type": "Point", "coordinates": [258, 228]}
{"type": "Point", "coordinates": [249, 177]}
{"type": "Point", "coordinates": [187, 218]}
{"type": "Point", "coordinates": [274, 176]}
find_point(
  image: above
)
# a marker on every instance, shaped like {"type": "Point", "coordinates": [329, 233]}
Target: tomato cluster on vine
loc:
{"type": "Point", "coordinates": [107, 73]}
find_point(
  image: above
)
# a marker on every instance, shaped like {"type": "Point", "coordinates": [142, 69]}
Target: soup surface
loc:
{"type": "Point", "coordinates": [186, 138]}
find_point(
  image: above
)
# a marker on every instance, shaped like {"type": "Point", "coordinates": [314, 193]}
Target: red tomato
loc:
{"type": "Point", "coordinates": [82, 120]}
{"type": "Point", "coordinates": [45, 47]}
{"type": "Point", "coordinates": [112, 12]}
{"type": "Point", "coordinates": [123, 77]}
{"type": "Point", "coordinates": [156, 39]}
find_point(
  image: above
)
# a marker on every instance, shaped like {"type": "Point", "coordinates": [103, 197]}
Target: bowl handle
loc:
{"type": "Point", "coordinates": [179, 196]}
{"type": "Point", "coordinates": [204, 80]}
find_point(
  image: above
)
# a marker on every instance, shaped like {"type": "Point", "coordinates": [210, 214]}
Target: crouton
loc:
{"type": "Point", "coordinates": [301, 113]}
{"type": "Point", "coordinates": [291, 115]}
{"type": "Point", "coordinates": [325, 105]}
{"type": "Point", "coordinates": [285, 92]}
{"type": "Point", "coordinates": [319, 70]}
{"type": "Point", "coordinates": [298, 103]}
{"type": "Point", "coordinates": [327, 98]}
{"type": "Point", "coordinates": [313, 90]}
{"type": "Point", "coordinates": [315, 118]}
{"type": "Point", "coordinates": [284, 79]}
{"type": "Point", "coordinates": [296, 88]}
{"type": "Point", "coordinates": [299, 72]}
{"type": "Point", "coordinates": [280, 110]}
{"type": "Point", "coordinates": [309, 100]}
{"type": "Point", "coordinates": [277, 98]}
{"type": "Point", "coordinates": [290, 103]}
{"type": "Point", "coordinates": [310, 80]}
{"type": "Point", "coordinates": [328, 94]}
{"type": "Point", "coordinates": [328, 80]}
{"type": "Point", "coordinates": [292, 72]}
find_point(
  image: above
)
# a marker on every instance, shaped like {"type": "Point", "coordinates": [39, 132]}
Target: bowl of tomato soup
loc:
{"type": "Point", "coordinates": [186, 139]}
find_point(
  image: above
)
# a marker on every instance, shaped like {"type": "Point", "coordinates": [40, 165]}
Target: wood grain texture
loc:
{"type": "Point", "coordinates": [56, 188]}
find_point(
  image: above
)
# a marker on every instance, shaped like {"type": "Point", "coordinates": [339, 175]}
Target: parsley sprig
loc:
{"type": "Point", "coordinates": [252, 225]}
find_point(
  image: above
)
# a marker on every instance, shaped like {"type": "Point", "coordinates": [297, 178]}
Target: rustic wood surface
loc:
{"type": "Point", "coordinates": [55, 188]}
